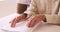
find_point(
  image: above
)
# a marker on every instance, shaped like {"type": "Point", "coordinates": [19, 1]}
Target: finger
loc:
{"type": "Point", "coordinates": [12, 20]}
{"type": "Point", "coordinates": [31, 23]}
{"type": "Point", "coordinates": [21, 19]}
{"type": "Point", "coordinates": [13, 23]}
{"type": "Point", "coordinates": [18, 20]}
{"type": "Point", "coordinates": [30, 18]}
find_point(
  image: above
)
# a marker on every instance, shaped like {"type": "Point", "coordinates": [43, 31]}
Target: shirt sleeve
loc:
{"type": "Point", "coordinates": [27, 2]}
{"type": "Point", "coordinates": [32, 10]}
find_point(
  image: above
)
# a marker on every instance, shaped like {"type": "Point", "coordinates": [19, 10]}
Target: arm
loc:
{"type": "Point", "coordinates": [55, 18]}
{"type": "Point", "coordinates": [33, 8]}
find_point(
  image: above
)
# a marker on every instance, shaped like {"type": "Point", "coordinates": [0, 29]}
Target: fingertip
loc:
{"type": "Point", "coordinates": [12, 25]}
{"type": "Point", "coordinates": [9, 22]}
{"type": "Point", "coordinates": [30, 25]}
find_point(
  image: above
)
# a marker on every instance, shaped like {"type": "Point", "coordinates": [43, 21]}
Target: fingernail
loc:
{"type": "Point", "coordinates": [12, 26]}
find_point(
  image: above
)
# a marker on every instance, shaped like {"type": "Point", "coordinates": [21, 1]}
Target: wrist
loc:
{"type": "Point", "coordinates": [25, 14]}
{"type": "Point", "coordinates": [42, 16]}
{"type": "Point", "coordinates": [45, 20]}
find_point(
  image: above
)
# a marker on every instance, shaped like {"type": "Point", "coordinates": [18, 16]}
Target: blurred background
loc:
{"type": "Point", "coordinates": [7, 7]}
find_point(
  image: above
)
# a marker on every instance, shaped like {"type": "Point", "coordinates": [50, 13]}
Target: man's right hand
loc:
{"type": "Point", "coordinates": [18, 19]}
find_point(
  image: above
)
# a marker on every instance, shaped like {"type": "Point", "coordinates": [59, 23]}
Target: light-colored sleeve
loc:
{"type": "Point", "coordinates": [27, 2]}
{"type": "Point", "coordinates": [33, 8]}
{"type": "Point", "coordinates": [54, 18]}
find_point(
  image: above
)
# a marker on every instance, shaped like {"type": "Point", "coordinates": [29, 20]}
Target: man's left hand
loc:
{"type": "Point", "coordinates": [35, 20]}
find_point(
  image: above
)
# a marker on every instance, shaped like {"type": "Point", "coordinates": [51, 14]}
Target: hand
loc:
{"type": "Point", "coordinates": [35, 19]}
{"type": "Point", "coordinates": [18, 19]}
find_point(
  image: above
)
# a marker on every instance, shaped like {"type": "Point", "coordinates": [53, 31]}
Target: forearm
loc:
{"type": "Point", "coordinates": [21, 8]}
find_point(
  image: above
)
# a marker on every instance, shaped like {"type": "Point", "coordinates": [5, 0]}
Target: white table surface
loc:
{"type": "Point", "coordinates": [41, 28]}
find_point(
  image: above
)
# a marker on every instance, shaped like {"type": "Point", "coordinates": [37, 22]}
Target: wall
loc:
{"type": "Point", "coordinates": [7, 7]}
